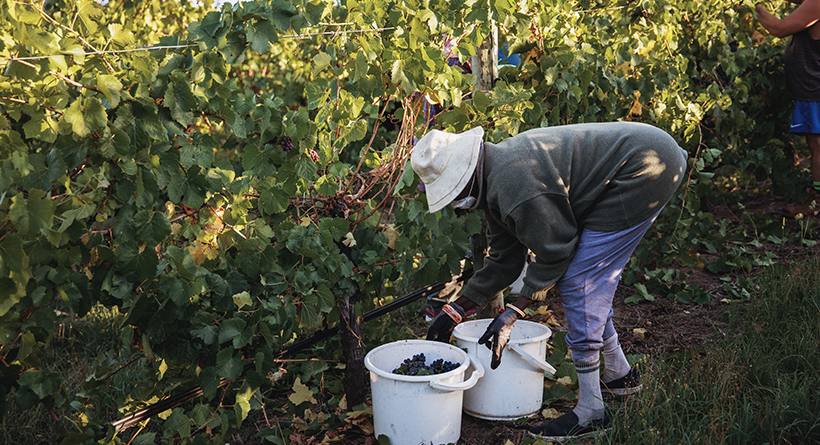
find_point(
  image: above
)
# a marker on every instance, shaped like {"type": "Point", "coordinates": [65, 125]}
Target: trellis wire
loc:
{"type": "Point", "coordinates": [152, 48]}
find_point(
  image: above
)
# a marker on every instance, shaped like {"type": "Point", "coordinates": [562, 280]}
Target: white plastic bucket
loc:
{"type": "Point", "coordinates": [516, 388]}
{"type": "Point", "coordinates": [415, 410]}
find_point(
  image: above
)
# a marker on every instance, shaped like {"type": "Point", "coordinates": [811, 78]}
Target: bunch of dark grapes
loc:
{"type": "Point", "coordinates": [440, 366]}
{"type": "Point", "coordinates": [411, 366]}
{"type": "Point", "coordinates": [417, 366]}
{"type": "Point", "coordinates": [287, 144]}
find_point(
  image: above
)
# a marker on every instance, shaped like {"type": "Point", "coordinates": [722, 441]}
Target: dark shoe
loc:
{"type": "Point", "coordinates": [809, 207]}
{"type": "Point", "coordinates": [566, 427]}
{"type": "Point", "coordinates": [624, 386]}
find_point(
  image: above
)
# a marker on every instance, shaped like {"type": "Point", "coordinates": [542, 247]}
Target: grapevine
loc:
{"type": "Point", "coordinates": [147, 165]}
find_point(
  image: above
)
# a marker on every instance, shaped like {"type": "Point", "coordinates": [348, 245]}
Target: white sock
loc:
{"type": "Point", "coordinates": [590, 402]}
{"type": "Point", "coordinates": [615, 364]}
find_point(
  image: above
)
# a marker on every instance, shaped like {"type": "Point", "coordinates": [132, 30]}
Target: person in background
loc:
{"type": "Point", "coordinates": [802, 61]}
{"type": "Point", "coordinates": [580, 197]}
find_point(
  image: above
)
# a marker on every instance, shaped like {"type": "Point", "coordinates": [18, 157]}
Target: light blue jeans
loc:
{"type": "Point", "coordinates": [588, 286]}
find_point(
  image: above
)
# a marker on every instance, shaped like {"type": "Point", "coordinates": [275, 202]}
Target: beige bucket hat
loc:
{"type": "Point", "coordinates": [445, 162]}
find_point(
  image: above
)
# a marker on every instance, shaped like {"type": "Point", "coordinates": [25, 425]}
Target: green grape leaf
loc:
{"type": "Point", "coordinates": [9, 295]}
{"type": "Point", "coordinates": [84, 116]}
{"type": "Point", "coordinates": [12, 256]}
{"type": "Point", "coordinates": [273, 201]}
{"type": "Point", "coordinates": [27, 345]}
{"type": "Point", "coordinates": [152, 227]}
{"type": "Point", "coordinates": [406, 179]}
{"type": "Point", "coordinates": [315, 11]}
{"type": "Point", "coordinates": [230, 329]}
{"type": "Point", "coordinates": [199, 150]}
{"type": "Point", "coordinates": [44, 42]}
{"type": "Point", "coordinates": [111, 88]}
{"type": "Point", "coordinates": [117, 285]}
{"type": "Point", "coordinates": [316, 95]}
{"type": "Point", "coordinates": [208, 334]}
{"type": "Point", "coordinates": [399, 76]}
{"type": "Point", "coordinates": [180, 100]}
{"type": "Point", "coordinates": [261, 34]}
{"type": "Point", "coordinates": [39, 382]}
{"type": "Point", "coordinates": [190, 189]}
{"type": "Point", "coordinates": [320, 62]}
{"type": "Point", "coordinates": [88, 13]}
{"type": "Point", "coordinates": [327, 300]}
{"type": "Point", "coordinates": [237, 123]}
{"type": "Point", "coordinates": [334, 228]}
{"type": "Point", "coordinates": [42, 127]}
{"type": "Point", "coordinates": [281, 14]}
{"type": "Point", "coordinates": [137, 263]}
{"type": "Point", "coordinates": [227, 365]}
{"type": "Point", "coordinates": [242, 406]}
{"type": "Point", "coordinates": [116, 145]}
{"type": "Point", "coordinates": [80, 213]}
{"type": "Point", "coordinates": [306, 168]}
{"type": "Point", "coordinates": [33, 215]}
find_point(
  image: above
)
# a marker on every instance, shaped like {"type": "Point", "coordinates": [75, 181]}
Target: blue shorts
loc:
{"type": "Point", "coordinates": [806, 118]}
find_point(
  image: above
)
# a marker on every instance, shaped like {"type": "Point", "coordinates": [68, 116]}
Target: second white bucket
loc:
{"type": "Point", "coordinates": [516, 388]}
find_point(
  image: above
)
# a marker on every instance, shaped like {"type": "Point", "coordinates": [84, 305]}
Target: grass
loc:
{"type": "Point", "coordinates": [758, 385]}
{"type": "Point", "coordinates": [75, 352]}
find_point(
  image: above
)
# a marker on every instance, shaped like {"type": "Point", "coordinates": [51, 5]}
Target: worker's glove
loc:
{"type": "Point", "coordinates": [498, 333]}
{"type": "Point", "coordinates": [442, 327]}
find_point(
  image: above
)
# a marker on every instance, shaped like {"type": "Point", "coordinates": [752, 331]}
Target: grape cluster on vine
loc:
{"type": "Point", "coordinates": [417, 365]}
{"type": "Point", "coordinates": [287, 144]}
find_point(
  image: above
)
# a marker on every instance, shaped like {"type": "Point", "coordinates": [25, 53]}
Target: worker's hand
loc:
{"type": "Point", "coordinates": [498, 334]}
{"type": "Point", "coordinates": [442, 327]}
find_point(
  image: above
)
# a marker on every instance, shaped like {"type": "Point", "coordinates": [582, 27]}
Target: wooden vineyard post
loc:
{"type": "Point", "coordinates": [485, 67]}
{"type": "Point", "coordinates": [485, 62]}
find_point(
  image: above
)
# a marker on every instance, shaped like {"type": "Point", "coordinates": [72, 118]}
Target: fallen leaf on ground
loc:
{"type": "Point", "coordinates": [301, 393]}
{"type": "Point", "coordinates": [342, 408]}
{"type": "Point", "coordinates": [543, 310]}
{"type": "Point", "coordinates": [314, 417]}
{"type": "Point", "coordinates": [363, 423]}
{"type": "Point", "coordinates": [550, 413]}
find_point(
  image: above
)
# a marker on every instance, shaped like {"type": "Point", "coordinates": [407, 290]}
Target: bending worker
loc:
{"type": "Point", "coordinates": [580, 197]}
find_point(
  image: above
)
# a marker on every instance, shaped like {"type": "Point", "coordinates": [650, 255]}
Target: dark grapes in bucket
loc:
{"type": "Point", "coordinates": [417, 366]}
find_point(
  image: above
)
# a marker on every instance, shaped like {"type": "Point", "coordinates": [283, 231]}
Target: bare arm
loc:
{"type": "Point", "coordinates": [806, 15]}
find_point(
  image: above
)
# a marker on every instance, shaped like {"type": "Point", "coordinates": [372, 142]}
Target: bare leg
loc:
{"type": "Point", "coordinates": [813, 141]}
{"type": "Point", "coordinates": [811, 206]}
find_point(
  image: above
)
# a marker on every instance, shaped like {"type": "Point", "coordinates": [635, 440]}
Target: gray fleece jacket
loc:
{"type": "Point", "coordinates": [544, 186]}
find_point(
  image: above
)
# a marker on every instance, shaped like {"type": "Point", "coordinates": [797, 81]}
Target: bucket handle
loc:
{"type": "Point", "coordinates": [540, 364]}
{"type": "Point", "coordinates": [478, 372]}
